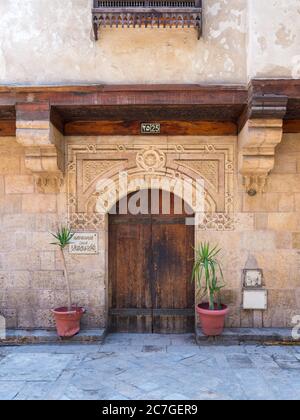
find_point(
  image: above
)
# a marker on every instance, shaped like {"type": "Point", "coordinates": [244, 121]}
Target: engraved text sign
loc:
{"type": "Point", "coordinates": [84, 243]}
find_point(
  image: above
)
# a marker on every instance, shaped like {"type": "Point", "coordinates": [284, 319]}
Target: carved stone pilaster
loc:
{"type": "Point", "coordinates": [257, 143]}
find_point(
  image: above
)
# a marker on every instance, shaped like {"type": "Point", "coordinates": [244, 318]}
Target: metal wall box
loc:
{"type": "Point", "coordinates": [147, 14]}
{"type": "Point", "coordinates": [255, 299]}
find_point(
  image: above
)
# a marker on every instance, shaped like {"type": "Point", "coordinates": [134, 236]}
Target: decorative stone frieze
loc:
{"type": "Point", "coordinates": [257, 143]}
{"type": "Point", "coordinates": [94, 175]}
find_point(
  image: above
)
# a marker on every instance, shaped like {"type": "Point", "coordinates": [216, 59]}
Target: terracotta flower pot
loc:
{"type": "Point", "coordinates": [68, 322]}
{"type": "Point", "coordinates": [212, 322]}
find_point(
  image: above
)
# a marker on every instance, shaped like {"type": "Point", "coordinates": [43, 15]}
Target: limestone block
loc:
{"type": "Point", "coordinates": [258, 241]}
{"type": "Point", "coordinates": [10, 204]}
{"type": "Point", "coordinates": [261, 221]}
{"type": "Point", "coordinates": [296, 240]}
{"type": "Point", "coordinates": [19, 184]}
{"type": "Point", "coordinates": [80, 297]}
{"type": "Point", "coordinates": [20, 298]}
{"type": "Point", "coordinates": [91, 280]}
{"type": "Point", "coordinates": [33, 133]}
{"type": "Point", "coordinates": [97, 297]}
{"type": "Point", "coordinates": [7, 242]}
{"type": "Point", "coordinates": [282, 299]}
{"type": "Point", "coordinates": [2, 189]}
{"type": "Point", "coordinates": [21, 241]}
{"type": "Point", "coordinates": [284, 222]}
{"type": "Point", "coordinates": [53, 280]}
{"type": "Point", "coordinates": [286, 203]}
{"type": "Point", "coordinates": [283, 240]}
{"type": "Point", "coordinates": [39, 203]}
{"type": "Point", "coordinates": [45, 298]}
{"type": "Point", "coordinates": [4, 280]}
{"type": "Point", "coordinates": [22, 261]}
{"type": "Point", "coordinates": [60, 298]}
{"type": "Point", "coordinates": [267, 202]}
{"type": "Point", "coordinates": [17, 223]}
{"type": "Point", "coordinates": [284, 183]}
{"type": "Point", "coordinates": [244, 222]}
{"type": "Point", "coordinates": [297, 202]}
{"type": "Point", "coordinates": [95, 317]}
{"type": "Point", "coordinates": [47, 260]}
{"type": "Point", "coordinates": [9, 164]}
{"type": "Point", "coordinates": [20, 279]}
{"type": "Point", "coordinates": [278, 278]}
{"type": "Point", "coordinates": [46, 222]}
{"type": "Point", "coordinates": [43, 318]}
{"type": "Point", "coordinates": [41, 241]}
{"type": "Point", "coordinates": [25, 317]}
{"type": "Point", "coordinates": [285, 163]}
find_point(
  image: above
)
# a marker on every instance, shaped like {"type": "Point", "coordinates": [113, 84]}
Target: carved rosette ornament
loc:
{"type": "Point", "coordinates": [151, 160]}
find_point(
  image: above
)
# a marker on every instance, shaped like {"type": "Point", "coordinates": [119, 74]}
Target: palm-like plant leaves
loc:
{"type": "Point", "coordinates": [63, 236]}
{"type": "Point", "coordinates": [205, 273]}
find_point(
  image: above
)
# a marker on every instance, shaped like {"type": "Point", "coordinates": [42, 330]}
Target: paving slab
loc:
{"type": "Point", "coordinates": [158, 367]}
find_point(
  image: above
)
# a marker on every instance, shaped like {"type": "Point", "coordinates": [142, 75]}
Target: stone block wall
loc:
{"type": "Point", "coordinates": [31, 273]}
{"type": "Point", "coordinates": [267, 227]}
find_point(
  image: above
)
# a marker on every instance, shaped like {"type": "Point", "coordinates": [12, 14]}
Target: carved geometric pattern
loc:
{"type": "Point", "coordinates": [93, 169]}
{"type": "Point", "coordinates": [209, 169]}
{"type": "Point", "coordinates": [90, 163]}
{"type": "Point", "coordinates": [86, 221]}
{"type": "Point", "coordinates": [216, 222]}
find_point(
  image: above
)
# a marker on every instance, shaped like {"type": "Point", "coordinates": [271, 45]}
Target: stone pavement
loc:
{"type": "Point", "coordinates": [147, 367]}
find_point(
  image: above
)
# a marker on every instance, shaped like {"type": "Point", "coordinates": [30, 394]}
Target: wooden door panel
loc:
{"type": "Point", "coordinates": [129, 249]}
{"type": "Point", "coordinates": [150, 267]}
{"type": "Point", "coordinates": [172, 247]}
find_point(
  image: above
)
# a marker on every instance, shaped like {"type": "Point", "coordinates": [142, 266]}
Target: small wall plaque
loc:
{"type": "Point", "coordinates": [253, 278]}
{"type": "Point", "coordinates": [150, 128]}
{"type": "Point", "coordinates": [84, 243]}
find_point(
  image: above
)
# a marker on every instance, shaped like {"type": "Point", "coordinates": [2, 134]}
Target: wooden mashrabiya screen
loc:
{"type": "Point", "coordinates": [147, 14]}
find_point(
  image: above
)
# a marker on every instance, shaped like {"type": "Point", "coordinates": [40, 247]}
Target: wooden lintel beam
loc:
{"type": "Point", "coordinates": [291, 126]}
{"type": "Point", "coordinates": [7, 128]}
{"type": "Point", "coordinates": [170, 128]}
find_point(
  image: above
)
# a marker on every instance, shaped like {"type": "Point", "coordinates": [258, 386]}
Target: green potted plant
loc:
{"type": "Point", "coordinates": [206, 273]}
{"type": "Point", "coordinates": [68, 317]}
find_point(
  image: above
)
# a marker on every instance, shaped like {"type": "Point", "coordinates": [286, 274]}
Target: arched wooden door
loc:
{"type": "Point", "coordinates": [150, 266]}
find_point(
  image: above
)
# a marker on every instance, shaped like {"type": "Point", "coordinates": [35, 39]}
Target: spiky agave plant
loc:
{"type": "Point", "coordinates": [64, 238]}
{"type": "Point", "coordinates": [205, 274]}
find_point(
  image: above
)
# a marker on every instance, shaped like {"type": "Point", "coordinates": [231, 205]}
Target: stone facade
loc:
{"type": "Point", "coordinates": [252, 180]}
{"type": "Point", "coordinates": [45, 42]}
{"type": "Point", "coordinates": [266, 226]}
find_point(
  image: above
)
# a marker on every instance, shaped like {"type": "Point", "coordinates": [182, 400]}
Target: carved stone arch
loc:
{"type": "Point", "coordinates": [110, 193]}
{"type": "Point", "coordinates": [165, 159]}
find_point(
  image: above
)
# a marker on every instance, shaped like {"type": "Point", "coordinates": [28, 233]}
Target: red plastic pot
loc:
{"type": "Point", "coordinates": [68, 322]}
{"type": "Point", "coordinates": [212, 322]}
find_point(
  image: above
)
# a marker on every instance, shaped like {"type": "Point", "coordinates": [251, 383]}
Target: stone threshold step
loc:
{"type": "Point", "coordinates": [19, 337]}
{"type": "Point", "coordinates": [232, 336]}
